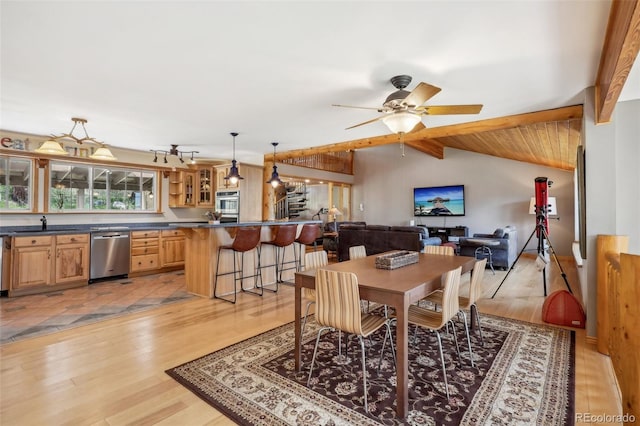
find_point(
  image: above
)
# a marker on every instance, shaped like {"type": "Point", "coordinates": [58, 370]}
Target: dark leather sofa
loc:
{"type": "Point", "coordinates": [380, 238]}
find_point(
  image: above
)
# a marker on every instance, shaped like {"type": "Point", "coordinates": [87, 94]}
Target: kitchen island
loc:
{"type": "Point", "coordinates": [201, 255]}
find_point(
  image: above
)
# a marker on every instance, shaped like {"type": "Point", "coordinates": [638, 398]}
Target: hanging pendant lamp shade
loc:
{"type": "Point", "coordinates": [234, 175]}
{"type": "Point", "coordinates": [51, 147]}
{"type": "Point", "coordinates": [103, 153]}
{"type": "Point", "coordinates": [275, 178]}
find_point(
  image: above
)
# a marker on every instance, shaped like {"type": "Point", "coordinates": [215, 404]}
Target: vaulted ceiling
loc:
{"type": "Point", "coordinates": [150, 74]}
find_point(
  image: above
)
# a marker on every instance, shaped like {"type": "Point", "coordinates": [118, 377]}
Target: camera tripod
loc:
{"type": "Point", "coordinates": [541, 231]}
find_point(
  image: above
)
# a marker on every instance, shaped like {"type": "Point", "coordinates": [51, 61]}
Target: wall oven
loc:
{"type": "Point", "coordinates": [228, 203]}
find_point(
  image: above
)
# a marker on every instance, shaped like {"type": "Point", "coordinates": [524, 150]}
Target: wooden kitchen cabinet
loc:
{"type": "Point", "coordinates": [72, 258]}
{"type": "Point", "coordinates": [172, 248]}
{"type": "Point", "coordinates": [145, 250]}
{"type": "Point", "coordinates": [44, 263]}
{"type": "Point", "coordinates": [204, 178]}
{"type": "Point", "coordinates": [33, 263]}
{"type": "Point", "coordinates": [182, 189]}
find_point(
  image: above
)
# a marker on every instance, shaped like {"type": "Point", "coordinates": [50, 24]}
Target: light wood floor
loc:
{"type": "Point", "coordinates": [112, 373]}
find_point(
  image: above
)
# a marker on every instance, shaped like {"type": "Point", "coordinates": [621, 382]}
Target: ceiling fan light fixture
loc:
{"type": "Point", "coordinates": [234, 175]}
{"type": "Point", "coordinates": [401, 121]}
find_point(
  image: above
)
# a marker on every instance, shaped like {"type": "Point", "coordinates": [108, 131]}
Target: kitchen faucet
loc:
{"type": "Point", "coordinates": [44, 223]}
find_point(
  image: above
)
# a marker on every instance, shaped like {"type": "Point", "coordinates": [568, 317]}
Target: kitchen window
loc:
{"type": "Point", "coordinates": [16, 184]}
{"type": "Point", "coordinates": [83, 187]}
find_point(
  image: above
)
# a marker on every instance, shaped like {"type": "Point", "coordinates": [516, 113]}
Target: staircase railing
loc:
{"type": "Point", "coordinates": [281, 208]}
{"type": "Point", "coordinates": [618, 296]}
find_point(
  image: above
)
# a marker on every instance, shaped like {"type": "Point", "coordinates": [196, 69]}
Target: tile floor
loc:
{"type": "Point", "coordinates": [29, 316]}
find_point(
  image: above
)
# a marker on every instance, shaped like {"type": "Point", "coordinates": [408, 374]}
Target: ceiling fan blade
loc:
{"type": "Point", "coordinates": [449, 109]}
{"type": "Point", "coordinates": [357, 107]}
{"type": "Point", "coordinates": [418, 127]}
{"type": "Point", "coordinates": [366, 122]}
{"type": "Point", "coordinates": [421, 94]}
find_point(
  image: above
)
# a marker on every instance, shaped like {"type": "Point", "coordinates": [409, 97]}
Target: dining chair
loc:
{"type": "Point", "coordinates": [338, 308]}
{"type": "Point", "coordinates": [312, 260]}
{"type": "Point", "coordinates": [436, 320]}
{"type": "Point", "coordinates": [444, 250]}
{"type": "Point", "coordinates": [467, 302]}
{"type": "Point", "coordinates": [357, 252]}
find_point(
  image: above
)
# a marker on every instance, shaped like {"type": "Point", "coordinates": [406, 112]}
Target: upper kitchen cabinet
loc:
{"type": "Point", "coordinates": [204, 178]}
{"type": "Point", "coordinates": [16, 184]}
{"type": "Point", "coordinates": [182, 189]}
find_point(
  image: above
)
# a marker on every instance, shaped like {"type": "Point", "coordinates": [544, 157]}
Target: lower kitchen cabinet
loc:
{"type": "Point", "coordinates": [145, 250]}
{"type": "Point", "coordinates": [46, 263]}
{"type": "Point", "coordinates": [172, 253]}
{"type": "Point", "coordinates": [155, 251]}
{"type": "Point", "coordinates": [72, 258]}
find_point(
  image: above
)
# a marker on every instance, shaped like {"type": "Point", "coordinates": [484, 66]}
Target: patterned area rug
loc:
{"type": "Point", "coordinates": [524, 375]}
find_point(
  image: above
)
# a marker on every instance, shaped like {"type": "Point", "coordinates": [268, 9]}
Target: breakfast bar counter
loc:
{"type": "Point", "coordinates": [201, 255]}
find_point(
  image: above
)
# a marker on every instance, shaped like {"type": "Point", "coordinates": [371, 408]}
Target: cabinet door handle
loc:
{"type": "Point", "coordinates": [48, 253]}
{"type": "Point", "coordinates": [33, 241]}
{"type": "Point", "coordinates": [73, 239]}
{"type": "Point", "coordinates": [58, 253]}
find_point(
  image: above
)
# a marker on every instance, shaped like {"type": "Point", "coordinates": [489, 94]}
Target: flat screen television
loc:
{"type": "Point", "coordinates": [438, 201]}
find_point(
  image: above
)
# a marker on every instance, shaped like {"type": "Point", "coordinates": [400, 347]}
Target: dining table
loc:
{"type": "Point", "coordinates": [397, 288]}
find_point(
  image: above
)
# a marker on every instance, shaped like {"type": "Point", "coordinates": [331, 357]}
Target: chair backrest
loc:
{"type": "Point", "coordinates": [444, 250]}
{"type": "Point", "coordinates": [357, 252]}
{"type": "Point", "coordinates": [309, 233]}
{"type": "Point", "coordinates": [285, 235]}
{"type": "Point", "coordinates": [315, 259]}
{"type": "Point", "coordinates": [338, 301]}
{"type": "Point", "coordinates": [247, 238]}
{"type": "Point", "coordinates": [475, 290]}
{"type": "Point", "coordinates": [451, 286]}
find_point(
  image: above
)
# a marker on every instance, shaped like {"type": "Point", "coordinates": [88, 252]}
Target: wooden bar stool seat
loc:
{"type": "Point", "coordinates": [246, 239]}
{"type": "Point", "coordinates": [308, 235]}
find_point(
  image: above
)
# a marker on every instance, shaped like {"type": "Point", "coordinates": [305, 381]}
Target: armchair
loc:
{"type": "Point", "coordinates": [504, 253]}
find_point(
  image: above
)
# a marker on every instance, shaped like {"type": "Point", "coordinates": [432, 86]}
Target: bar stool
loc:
{"type": "Point", "coordinates": [246, 239]}
{"type": "Point", "coordinates": [308, 234]}
{"type": "Point", "coordinates": [285, 236]}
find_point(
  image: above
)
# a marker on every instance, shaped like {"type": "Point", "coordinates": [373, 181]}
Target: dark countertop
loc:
{"type": "Point", "coordinates": [18, 231]}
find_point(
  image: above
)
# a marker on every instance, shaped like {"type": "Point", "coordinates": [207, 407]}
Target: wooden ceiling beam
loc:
{"type": "Point", "coordinates": [557, 114]}
{"type": "Point", "coordinates": [429, 147]}
{"type": "Point", "coordinates": [621, 46]}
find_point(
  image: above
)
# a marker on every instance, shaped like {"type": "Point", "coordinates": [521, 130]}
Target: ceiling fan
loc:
{"type": "Point", "coordinates": [402, 110]}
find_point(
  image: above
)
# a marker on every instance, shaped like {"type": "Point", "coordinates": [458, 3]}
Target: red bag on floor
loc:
{"type": "Point", "coordinates": [562, 308]}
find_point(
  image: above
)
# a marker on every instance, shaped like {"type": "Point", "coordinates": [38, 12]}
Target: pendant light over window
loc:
{"type": "Point", "coordinates": [275, 179]}
{"type": "Point", "coordinates": [53, 145]}
{"type": "Point", "coordinates": [234, 176]}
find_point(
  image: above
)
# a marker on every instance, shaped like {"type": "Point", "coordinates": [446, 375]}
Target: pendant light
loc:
{"type": "Point", "coordinates": [51, 147]}
{"type": "Point", "coordinates": [275, 179]}
{"type": "Point", "coordinates": [103, 153]}
{"type": "Point", "coordinates": [234, 176]}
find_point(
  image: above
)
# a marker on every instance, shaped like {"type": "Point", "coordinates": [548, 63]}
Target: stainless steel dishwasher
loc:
{"type": "Point", "coordinates": [110, 252]}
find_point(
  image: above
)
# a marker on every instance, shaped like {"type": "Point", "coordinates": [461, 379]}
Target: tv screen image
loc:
{"type": "Point", "coordinates": [439, 201]}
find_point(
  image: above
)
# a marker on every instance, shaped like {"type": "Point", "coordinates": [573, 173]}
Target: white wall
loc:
{"type": "Point", "coordinates": [497, 191]}
{"type": "Point", "coordinates": [612, 155]}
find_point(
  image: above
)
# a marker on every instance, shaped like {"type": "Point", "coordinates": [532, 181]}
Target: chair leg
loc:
{"type": "Point", "coordinates": [364, 374]}
{"type": "Point", "coordinates": [444, 368]}
{"type": "Point", "coordinates": [315, 351]}
{"type": "Point", "coordinates": [466, 329]}
{"type": "Point", "coordinates": [393, 349]}
{"type": "Point", "coordinates": [455, 339]}
{"type": "Point", "coordinates": [474, 311]}
{"type": "Point", "coordinates": [215, 284]}
{"type": "Point", "coordinates": [258, 290]}
{"type": "Point", "coordinates": [304, 321]}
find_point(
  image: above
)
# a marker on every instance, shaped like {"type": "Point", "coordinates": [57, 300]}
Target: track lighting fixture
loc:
{"type": "Point", "coordinates": [173, 151]}
{"type": "Point", "coordinates": [275, 179]}
{"type": "Point", "coordinates": [234, 175]}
